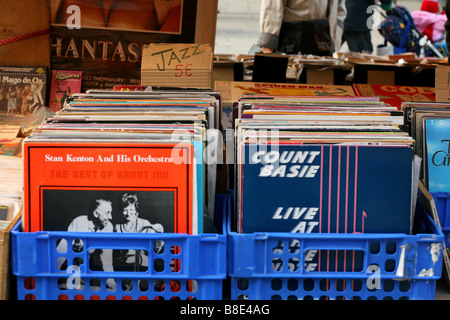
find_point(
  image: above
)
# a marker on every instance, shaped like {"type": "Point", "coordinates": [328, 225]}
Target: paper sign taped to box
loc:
{"type": "Point", "coordinates": [177, 65]}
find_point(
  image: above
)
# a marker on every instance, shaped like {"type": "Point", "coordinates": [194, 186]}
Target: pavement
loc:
{"type": "Point", "coordinates": [237, 27]}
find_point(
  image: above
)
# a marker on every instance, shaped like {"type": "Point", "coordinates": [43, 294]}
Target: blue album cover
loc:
{"type": "Point", "coordinates": [437, 140]}
{"type": "Point", "coordinates": [325, 189]}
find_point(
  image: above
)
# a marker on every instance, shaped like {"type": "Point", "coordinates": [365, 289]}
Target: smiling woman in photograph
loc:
{"type": "Point", "coordinates": [136, 260]}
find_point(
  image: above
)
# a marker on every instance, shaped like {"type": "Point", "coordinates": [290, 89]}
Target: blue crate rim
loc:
{"type": "Point", "coordinates": [432, 235]}
{"type": "Point", "coordinates": [436, 236]}
{"type": "Point", "coordinates": [114, 235]}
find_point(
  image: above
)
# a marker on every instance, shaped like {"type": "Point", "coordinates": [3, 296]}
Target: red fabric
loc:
{"type": "Point", "coordinates": [430, 6]}
{"type": "Point", "coordinates": [428, 31]}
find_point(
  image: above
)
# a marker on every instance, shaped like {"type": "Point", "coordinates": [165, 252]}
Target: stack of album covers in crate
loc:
{"type": "Point", "coordinates": [142, 153]}
{"type": "Point", "coordinates": [322, 165]}
{"type": "Point", "coordinates": [429, 123]}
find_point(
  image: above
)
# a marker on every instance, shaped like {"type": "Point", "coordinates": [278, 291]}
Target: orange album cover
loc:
{"type": "Point", "coordinates": [66, 183]}
{"type": "Point", "coordinates": [395, 95]}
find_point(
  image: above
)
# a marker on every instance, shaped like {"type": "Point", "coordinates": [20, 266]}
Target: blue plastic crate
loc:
{"type": "Point", "coordinates": [189, 267]}
{"type": "Point", "coordinates": [442, 201]}
{"type": "Point", "coordinates": [273, 266]}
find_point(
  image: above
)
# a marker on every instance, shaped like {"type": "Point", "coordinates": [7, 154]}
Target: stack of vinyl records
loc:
{"type": "Point", "coordinates": [148, 146]}
{"type": "Point", "coordinates": [428, 124]}
{"type": "Point", "coordinates": [322, 165]}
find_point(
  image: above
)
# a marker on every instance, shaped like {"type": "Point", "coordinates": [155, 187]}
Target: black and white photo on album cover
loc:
{"type": "Point", "coordinates": [108, 210]}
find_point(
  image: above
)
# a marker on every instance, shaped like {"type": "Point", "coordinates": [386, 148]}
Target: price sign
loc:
{"type": "Point", "coordinates": [177, 65]}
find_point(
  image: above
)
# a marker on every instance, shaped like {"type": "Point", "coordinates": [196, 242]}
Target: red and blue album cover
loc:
{"type": "Point", "coordinates": [325, 189]}
{"type": "Point", "coordinates": [62, 179]}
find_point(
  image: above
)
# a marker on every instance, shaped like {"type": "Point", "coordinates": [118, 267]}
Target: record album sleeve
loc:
{"type": "Point", "coordinates": [325, 189]}
{"type": "Point", "coordinates": [23, 90]}
{"type": "Point", "coordinates": [63, 84]}
{"type": "Point", "coordinates": [62, 178]}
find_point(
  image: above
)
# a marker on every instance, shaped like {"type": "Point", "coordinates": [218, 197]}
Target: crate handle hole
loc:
{"type": "Point", "coordinates": [292, 284]}
{"type": "Point", "coordinates": [159, 285]}
{"type": "Point", "coordinates": [61, 245]}
{"type": "Point", "coordinates": [29, 283]}
{"type": "Point", "coordinates": [175, 265]}
{"type": "Point", "coordinates": [391, 247]}
{"type": "Point", "coordinates": [175, 250]}
{"type": "Point", "coordinates": [143, 285]}
{"type": "Point", "coordinates": [192, 286]}
{"type": "Point", "coordinates": [158, 265]}
{"type": "Point", "coordinates": [277, 264]}
{"type": "Point", "coordinates": [278, 247]}
{"type": "Point", "coordinates": [374, 247]}
{"type": "Point", "coordinates": [390, 265]}
{"type": "Point", "coordinates": [276, 284]}
{"type": "Point", "coordinates": [242, 284]}
{"type": "Point", "coordinates": [294, 246]}
{"type": "Point", "coordinates": [77, 246]}
{"type": "Point", "coordinates": [61, 264]}
{"type": "Point", "coordinates": [175, 286]}
{"type": "Point", "coordinates": [95, 284]}
{"type": "Point", "coordinates": [127, 285]}
{"type": "Point", "coordinates": [158, 247]}
{"type": "Point", "coordinates": [293, 264]}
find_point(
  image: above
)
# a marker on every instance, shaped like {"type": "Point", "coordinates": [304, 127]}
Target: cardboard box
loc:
{"type": "Point", "coordinates": [26, 17]}
{"type": "Point", "coordinates": [326, 75]}
{"type": "Point", "coordinates": [319, 76]}
{"type": "Point", "coordinates": [193, 71]}
{"type": "Point", "coordinates": [228, 71]}
{"type": "Point", "coordinates": [400, 75]}
{"type": "Point", "coordinates": [380, 73]}
{"type": "Point", "coordinates": [442, 83]}
{"type": "Point", "coordinates": [5, 261]}
{"type": "Point", "coordinates": [232, 90]}
{"type": "Point", "coordinates": [442, 77]}
{"type": "Point", "coordinates": [327, 71]}
{"type": "Point", "coordinates": [270, 68]}
{"type": "Point", "coordinates": [442, 95]}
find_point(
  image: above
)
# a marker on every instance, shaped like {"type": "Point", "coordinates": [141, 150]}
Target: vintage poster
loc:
{"type": "Point", "coordinates": [395, 95]}
{"type": "Point", "coordinates": [23, 90]}
{"type": "Point", "coordinates": [105, 39]}
{"type": "Point", "coordinates": [64, 83]}
{"type": "Point", "coordinates": [65, 183]}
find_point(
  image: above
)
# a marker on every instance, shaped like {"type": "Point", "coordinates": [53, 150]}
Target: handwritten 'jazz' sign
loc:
{"type": "Point", "coordinates": [177, 65]}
